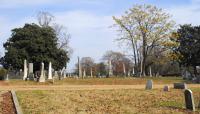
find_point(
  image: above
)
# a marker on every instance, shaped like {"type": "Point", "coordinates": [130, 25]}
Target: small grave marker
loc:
{"type": "Point", "coordinates": [166, 88]}
{"type": "Point", "coordinates": [180, 86]}
{"type": "Point", "coordinates": [149, 85]}
{"type": "Point", "coordinates": [189, 100]}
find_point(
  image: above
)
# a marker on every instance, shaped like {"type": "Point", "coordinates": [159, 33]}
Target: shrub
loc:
{"type": "Point", "coordinates": [2, 73]}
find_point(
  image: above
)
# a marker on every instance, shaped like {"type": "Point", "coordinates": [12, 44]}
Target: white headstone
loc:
{"type": "Point", "coordinates": [150, 72]}
{"type": "Point", "coordinates": [25, 70]}
{"type": "Point", "coordinates": [42, 77]}
{"type": "Point", "coordinates": [84, 73]}
{"type": "Point", "coordinates": [7, 77]}
{"type": "Point", "coordinates": [30, 68]}
{"type": "Point", "coordinates": [91, 72]}
{"type": "Point", "coordinates": [50, 71]}
{"type": "Point", "coordinates": [110, 72]}
{"type": "Point", "coordinates": [79, 68]}
{"type": "Point", "coordinates": [65, 73]}
{"type": "Point", "coordinates": [133, 72]}
{"type": "Point", "coordinates": [124, 69]}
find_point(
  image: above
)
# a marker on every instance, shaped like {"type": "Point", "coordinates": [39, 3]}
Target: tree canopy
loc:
{"type": "Point", "coordinates": [36, 44]}
{"type": "Point", "coordinates": [143, 29]}
{"type": "Point", "coordinates": [188, 49]}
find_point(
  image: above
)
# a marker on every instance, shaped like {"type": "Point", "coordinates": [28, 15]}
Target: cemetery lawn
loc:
{"type": "Point", "coordinates": [98, 81]}
{"type": "Point", "coordinates": [120, 101]}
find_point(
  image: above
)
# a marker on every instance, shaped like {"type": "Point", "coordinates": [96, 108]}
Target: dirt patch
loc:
{"type": "Point", "coordinates": [7, 104]}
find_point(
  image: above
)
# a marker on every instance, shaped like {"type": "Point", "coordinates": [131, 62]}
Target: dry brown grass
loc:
{"type": "Point", "coordinates": [121, 101]}
{"type": "Point", "coordinates": [97, 81]}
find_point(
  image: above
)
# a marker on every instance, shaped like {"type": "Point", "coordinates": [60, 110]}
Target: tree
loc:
{"type": "Point", "coordinates": [143, 28]}
{"type": "Point", "coordinates": [118, 60]}
{"type": "Point", "coordinates": [100, 68]}
{"type": "Point", "coordinates": [188, 49]}
{"type": "Point", "coordinates": [36, 44]}
{"type": "Point", "coordinates": [87, 64]}
{"type": "Point", "coordinates": [46, 19]}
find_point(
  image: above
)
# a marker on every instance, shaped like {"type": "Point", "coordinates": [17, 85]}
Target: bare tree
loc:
{"type": "Point", "coordinates": [87, 64]}
{"type": "Point", "coordinates": [45, 18]}
{"type": "Point", "coordinates": [63, 38]}
{"type": "Point", "coordinates": [119, 61]}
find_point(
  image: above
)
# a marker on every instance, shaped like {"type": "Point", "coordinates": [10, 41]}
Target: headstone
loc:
{"type": "Point", "coordinates": [110, 72]}
{"type": "Point", "coordinates": [65, 73]}
{"type": "Point", "coordinates": [7, 77]}
{"type": "Point", "coordinates": [149, 85]}
{"type": "Point", "coordinates": [189, 100]}
{"type": "Point", "coordinates": [79, 68]}
{"type": "Point", "coordinates": [84, 73]}
{"type": "Point", "coordinates": [91, 73]}
{"type": "Point", "coordinates": [129, 73]}
{"type": "Point", "coordinates": [133, 72]}
{"type": "Point", "coordinates": [30, 72]}
{"type": "Point", "coordinates": [187, 75]}
{"type": "Point", "coordinates": [150, 72]}
{"type": "Point", "coordinates": [25, 70]}
{"type": "Point", "coordinates": [180, 86]}
{"type": "Point", "coordinates": [124, 69]}
{"type": "Point", "coordinates": [50, 71]}
{"type": "Point", "coordinates": [42, 77]}
{"type": "Point", "coordinates": [30, 68]}
{"type": "Point", "coordinates": [56, 74]}
{"type": "Point", "coordinates": [166, 88]}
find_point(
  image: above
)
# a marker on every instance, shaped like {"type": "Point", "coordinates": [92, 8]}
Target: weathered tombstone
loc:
{"type": "Point", "coordinates": [133, 72]}
{"type": "Point", "coordinates": [30, 72]}
{"type": "Point", "coordinates": [189, 100]}
{"type": "Point", "coordinates": [7, 77]}
{"type": "Point", "coordinates": [180, 86]}
{"type": "Point", "coordinates": [149, 85]}
{"type": "Point", "coordinates": [84, 73]}
{"type": "Point", "coordinates": [50, 71]}
{"type": "Point", "coordinates": [110, 72]}
{"type": "Point", "coordinates": [124, 69]}
{"type": "Point", "coordinates": [42, 77]}
{"type": "Point", "coordinates": [25, 70]}
{"type": "Point", "coordinates": [65, 73]}
{"type": "Point", "coordinates": [129, 73]}
{"type": "Point", "coordinates": [150, 72]}
{"type": "Point", "coordinates": [56, 74]}
{"type": "Point", "coordinates": [30, 68]}
{"type": "Point", "coordinates": [166, 88]}
{"type": "Point", "coordinates": [91, 75]}
{"type": "Point", "coordinates": [186, 75]}
{"type": "Point", "coordinates": [79, 68]}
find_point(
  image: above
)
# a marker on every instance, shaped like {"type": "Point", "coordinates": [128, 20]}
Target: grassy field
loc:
{"type": "Point", "coordinates": [98, 81]}
{"type": "Point", "coordinates": [122, 101]}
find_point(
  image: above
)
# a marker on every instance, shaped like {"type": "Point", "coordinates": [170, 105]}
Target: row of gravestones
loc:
{"type": "Point", "coordinates": [189, 100]}
{"type": "Point", "coordinates": [40, 76]}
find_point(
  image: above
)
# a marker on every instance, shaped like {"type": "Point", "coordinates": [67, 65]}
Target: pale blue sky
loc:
{"type": "Point", "coordinates": [88, 21]}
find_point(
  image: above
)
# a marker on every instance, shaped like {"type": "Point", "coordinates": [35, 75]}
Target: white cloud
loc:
{"type": "Point", "coordinates": [28, 3]}
{"type": "Point", "coordinates": [91, 35]}
{"type": "Point", "coordinates": [187, 14]}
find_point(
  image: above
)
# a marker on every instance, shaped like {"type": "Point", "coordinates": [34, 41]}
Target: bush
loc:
{"type": "Point", "coordinates": [2, 73]}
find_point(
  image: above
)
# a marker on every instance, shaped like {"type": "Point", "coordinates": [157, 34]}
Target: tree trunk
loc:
{"type": "Point", "coordinates": [195, 70]}
{"type": "Point", "coordinates": [134, 51]}
{"type": "Point", "coordinates": [144, 55]}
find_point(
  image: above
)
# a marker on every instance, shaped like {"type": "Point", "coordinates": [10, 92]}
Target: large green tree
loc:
{"type": "Point", "coordinates": [188, 50]}
{"type": "Point", "coordinates": [36, 44]}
